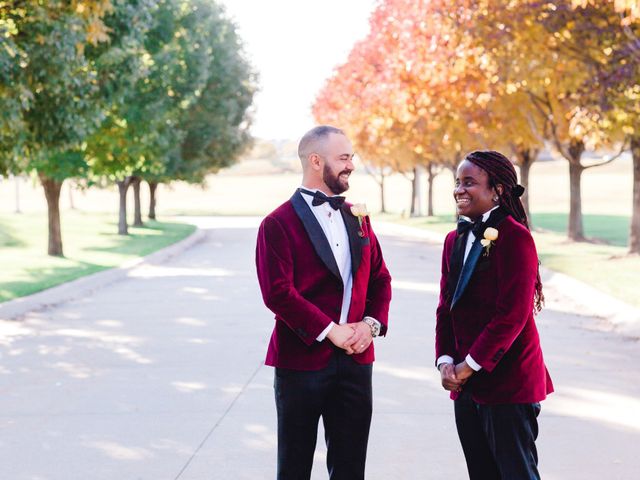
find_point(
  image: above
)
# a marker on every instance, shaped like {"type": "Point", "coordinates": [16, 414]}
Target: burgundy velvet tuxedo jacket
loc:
{"type": "Point", "coordinates": [491, 317]}
{"type": "Point", "coordinates": [301, 283]}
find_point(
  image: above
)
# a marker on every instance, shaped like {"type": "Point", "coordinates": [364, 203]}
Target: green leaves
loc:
{"type": "Point", "coordinates": [104, 89]}
{"type": "Point", "coordinates": [169, 71]}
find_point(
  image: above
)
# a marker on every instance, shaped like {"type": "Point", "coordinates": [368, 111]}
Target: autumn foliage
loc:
{"type": "Point", "coordinates": [434, 80]}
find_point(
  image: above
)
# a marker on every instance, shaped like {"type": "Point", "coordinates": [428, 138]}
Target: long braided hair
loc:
{"type": "Point", "coordinates": [502, 172]}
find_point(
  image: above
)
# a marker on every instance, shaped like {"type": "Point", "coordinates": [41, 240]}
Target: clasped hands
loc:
{"type": "Point", "coordinates": [351, 337]}
{"type": "Point", "coordinates": [453, 377]}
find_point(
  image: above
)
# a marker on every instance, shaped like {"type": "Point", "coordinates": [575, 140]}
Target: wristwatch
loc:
{"type": "Point", "coordinates": [373, 324]}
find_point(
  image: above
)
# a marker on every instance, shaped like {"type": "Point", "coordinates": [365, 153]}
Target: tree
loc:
{"type": "Point", "coordinates": [533, 54]}
{"type": "Point", "coordinates": [187, 116]}
{"type": "Point", "coordinates": [60, 83]}
{"type": "Point", "coordinates": [216, 124]}
{"type": "Point", "coordinates": [434, 81]}
{"type": "Point", "coordinates": [69, 71]}
{"type": "Point", "coordinates": [612, 96]}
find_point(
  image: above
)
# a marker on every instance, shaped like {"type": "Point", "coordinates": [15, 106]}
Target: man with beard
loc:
{"type": "Point", "coordinates": [322, 274]}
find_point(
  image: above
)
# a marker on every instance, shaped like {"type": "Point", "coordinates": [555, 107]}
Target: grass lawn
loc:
{"type": "Point", "coordinates": [605, 266]}
{"type": "Point", "coordinates": [90, 244]}
{"type": "Point", "coordinates": [611, 229]}
{"type": "Point", "coordinates": [605, 190]}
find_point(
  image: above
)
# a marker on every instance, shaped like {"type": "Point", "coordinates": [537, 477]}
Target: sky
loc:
{"type": "Point", "coordinates": [294, 46]}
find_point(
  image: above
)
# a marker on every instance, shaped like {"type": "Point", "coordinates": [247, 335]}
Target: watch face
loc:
{"type": "Point", "coordinates": [375, 328]}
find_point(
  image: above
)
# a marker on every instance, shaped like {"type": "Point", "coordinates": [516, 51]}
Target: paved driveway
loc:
{"type": "Point", "coordinates": [160, 376]}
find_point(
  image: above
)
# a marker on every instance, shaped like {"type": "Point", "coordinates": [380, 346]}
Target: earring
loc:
{"type": "Point", "coordinates": [495, 199]}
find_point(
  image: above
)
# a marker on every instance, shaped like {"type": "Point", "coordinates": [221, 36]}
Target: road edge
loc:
{"type": "Point", "coordinates": [83, 286]}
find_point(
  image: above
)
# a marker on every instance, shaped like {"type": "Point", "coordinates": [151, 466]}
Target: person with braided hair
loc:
{"type": "Point", "coordinates": [487, 344]}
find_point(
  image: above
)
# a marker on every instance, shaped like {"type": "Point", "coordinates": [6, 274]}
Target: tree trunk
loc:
{"type": "Point", "coordinates": [417, 193]}
{"type": "Point", "coordinates": [137, 209]}
{"type": "Point", "coordinates": [152, 200]}
{"type": "Point", "coordinates": [576, 230]}
{"type": "Point", "coordinates": [526, 157]}
{"type": "Point", "coordinates": [123, 186]}
{"type": "Point", "coordinates": [414, 194]}
{"type": "Point", "coordinates": [430, 177]}
{"type": "Point", "coordinates": [52, 193]}
{"type": "Point", "coordinates": [634, 231]}
{"type": "Point", "coordinates": [383, 208]}
{"type": "Point", "coordinates": [16, 180]}
{"type": "Point", "coordinates": [70, 192]}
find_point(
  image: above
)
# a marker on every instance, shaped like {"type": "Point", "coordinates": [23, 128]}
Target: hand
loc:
{"type": "Point", "coordinates": [463, 371]}
{"type": "Point", "coordinates": [361, 338]}
{"type": "Point", "coordinates": [448, 378]}
{"type": "Point", "coordinates": [340, 335]}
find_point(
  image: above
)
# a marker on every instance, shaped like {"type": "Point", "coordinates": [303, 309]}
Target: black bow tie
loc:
{"type": "Point", "coordinates": [319, 198]}
{"type": "Point", "coordinates": [465, 226]}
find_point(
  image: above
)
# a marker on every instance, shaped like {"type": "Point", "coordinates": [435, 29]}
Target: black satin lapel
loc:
{"type": "Point", "coordinates": [467, 270]}
{"type": "Point", "coordinates": [316, 235]}
{"type": "Point", "coordinates": [355, 241]}
{"type": "Point", "coordinates": [495, 219]}
{"type": "Point", "coordinates": [455, 264]}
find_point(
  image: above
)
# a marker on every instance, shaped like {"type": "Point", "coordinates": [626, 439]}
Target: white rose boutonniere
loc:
{"type": "Point", "coordinates": [359, 210]}
{"type": "Point", "coordinates": [490, 236]}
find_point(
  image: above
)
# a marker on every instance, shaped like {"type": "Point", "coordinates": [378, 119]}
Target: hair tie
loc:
{"type": "Point", "coordinates": [517, 190]}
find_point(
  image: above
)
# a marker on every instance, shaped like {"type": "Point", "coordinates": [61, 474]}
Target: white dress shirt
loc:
{"type": "Point", "coordinates": [333, 226]}
{"type": "Point", "coordinates": [470, 239]}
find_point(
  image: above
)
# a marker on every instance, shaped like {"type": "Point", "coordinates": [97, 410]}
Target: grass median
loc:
{"type": "Point", "coordinates": [90, 244]}
{"type": "Point", "coordinates": [602, 262]}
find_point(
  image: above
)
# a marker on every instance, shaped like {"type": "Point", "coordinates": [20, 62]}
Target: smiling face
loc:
{"type": "Point", "coordinates": [336, 163]}
{"type": "Point", "coordinates": [472, 193]}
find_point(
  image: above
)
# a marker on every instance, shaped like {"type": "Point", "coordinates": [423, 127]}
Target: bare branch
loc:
{"type": "Point", "coordinates": [534, 127]}
{"type": "Point", "coordinates": [623, 148]}
{"type": "Point", "coordinates": [372, 172]}
{"type": "Point", "coordinates": [539, 103]}
{"type": "Point", "coordinates": [406, 175]}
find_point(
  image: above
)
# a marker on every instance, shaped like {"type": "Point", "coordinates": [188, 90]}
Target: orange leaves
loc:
{"type": "Point", "coordinates": [97, 32]}
{"type": "Point", "coordinates": [400, 82]}
{"type": "Point", "coordinates": [630, 9]}
{"type": "Point", "coordinates": [435, 78]}
{"type": "Point", "coordinates": [92, 11]}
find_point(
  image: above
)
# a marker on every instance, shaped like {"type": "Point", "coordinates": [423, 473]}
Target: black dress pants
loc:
{"type": "Point", "coordinates": [498, 441]}
{"type": "Point", "coordinates": [341, 395]}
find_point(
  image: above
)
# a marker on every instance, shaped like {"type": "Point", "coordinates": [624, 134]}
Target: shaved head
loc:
{"type": "Point", "coordinates": [312, 141]}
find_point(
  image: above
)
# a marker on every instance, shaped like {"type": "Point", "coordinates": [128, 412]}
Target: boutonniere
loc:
{"type": "Point", "coordinates": [359, 210]}
{"type": "Point", "coordinates": [490, 236]}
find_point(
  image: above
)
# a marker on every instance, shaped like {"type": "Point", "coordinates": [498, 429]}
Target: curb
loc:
{"type": "Point", "coordinates": [81, 287]}
{"type": "Point", "coordinates": [562, 291]}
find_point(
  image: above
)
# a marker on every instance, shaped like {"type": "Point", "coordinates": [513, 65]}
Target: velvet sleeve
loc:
{"type": "Point", "coordinates": [274, 263]}
{"type": "Point", "coordinates": [445, 343]}
{"type": "Point", "coordinates": [379, 286]}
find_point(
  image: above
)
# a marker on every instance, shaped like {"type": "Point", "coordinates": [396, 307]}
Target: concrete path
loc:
{"type": "Point", "coordinates": [159, 375]}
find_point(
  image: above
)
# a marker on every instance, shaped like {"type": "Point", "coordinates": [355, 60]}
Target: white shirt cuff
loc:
{"type": "Point", "coordinates": [443, 359]}
{"type": "Point", "coordinates": [325, 332]}
{"type": "Point", "coordinates": [472, 363]}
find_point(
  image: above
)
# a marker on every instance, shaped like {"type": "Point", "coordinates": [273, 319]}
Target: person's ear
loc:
{"type": "Point", "coordinates": [315, 161]}
{"type": "Point", "coordinates": [497, 190]}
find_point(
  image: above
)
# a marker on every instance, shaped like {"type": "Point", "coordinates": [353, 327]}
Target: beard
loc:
{"type": "Point", "coordinates": [336, 184]}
